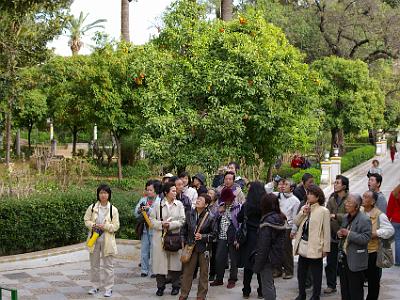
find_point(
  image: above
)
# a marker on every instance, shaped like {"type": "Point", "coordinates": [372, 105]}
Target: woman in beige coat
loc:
{"type": "Point", "coordinates": [312, 241]}
{"type": "Point", "coordinates": [103, 218]}
{"type": "Point", "coordinates": [173, 217]}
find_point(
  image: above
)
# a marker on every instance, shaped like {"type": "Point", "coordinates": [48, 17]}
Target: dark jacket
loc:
{"type": "Point", "coordinates": [336, 207]}
{"type": "Point", "coordinates": [202, 190]}
{"type": "Point", "coordinates": [187, 204]}
{"type": "Point", "coordinates": [235, 209]}
{"type": "Point", "coordinates": [357, 241]}
{"type": "Point", "coordinates": [253, 223]}
{"type": "Point", "coordinates": [208, 230]}
{"type": "Point", "coordinates": [270, 238]}
{"type": "Point", "coordinates": [301, 194]}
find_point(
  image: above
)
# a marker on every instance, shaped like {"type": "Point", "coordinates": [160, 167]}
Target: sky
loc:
{"type": "Point", "coordinates": [143, 14]}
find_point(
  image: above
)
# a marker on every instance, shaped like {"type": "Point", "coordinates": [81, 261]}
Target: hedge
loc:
{"type": "Point", "coordinates": [357, 156]}
{"type": "Point", "coordinates": [55, 219]}
{"type": "Point", "coordinates": [313, 171]}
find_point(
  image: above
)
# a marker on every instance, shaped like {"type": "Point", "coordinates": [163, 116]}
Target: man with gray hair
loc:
{"type": "Point", "coordinates": [354, 236]}
{"type": "Point", "coordinates": [289, 205]}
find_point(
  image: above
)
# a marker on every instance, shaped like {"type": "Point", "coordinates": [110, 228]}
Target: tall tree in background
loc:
{"type": "Point", "coordinates": [26, 27]}
{"type": "Point", "coordinates": [226, 10]}
{"type": "Point", "coordinates": [77, 30]}
{"type": "Point", "coordinates": [125, 20]}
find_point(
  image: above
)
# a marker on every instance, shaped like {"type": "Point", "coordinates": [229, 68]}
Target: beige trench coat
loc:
{"type": "Point", "coordinates": [110, 227]}
{"type": "Point", "coordinates": [162, 261]}
{"type": "Point", "coordinates": [319, 236]}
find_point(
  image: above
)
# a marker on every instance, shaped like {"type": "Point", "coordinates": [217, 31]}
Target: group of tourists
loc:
{"type": "Point", "coordinates": [189, 231]}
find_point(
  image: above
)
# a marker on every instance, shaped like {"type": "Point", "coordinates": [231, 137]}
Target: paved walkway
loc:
{"type": "Point", "coordinates": [65, 274]}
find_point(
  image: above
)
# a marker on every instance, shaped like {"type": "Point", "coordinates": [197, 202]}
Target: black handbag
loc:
{"type": "Point", "coordinates": [171, 242]}
{"type": "Point", "coordinates": [241, 233]}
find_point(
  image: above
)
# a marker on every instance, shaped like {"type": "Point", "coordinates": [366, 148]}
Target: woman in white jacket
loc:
{"type": "Point", "coordinates": [381, 228]}
{"type": "Point", "coordinates": [103, 218]}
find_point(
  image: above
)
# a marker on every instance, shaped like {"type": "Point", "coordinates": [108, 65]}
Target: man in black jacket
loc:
{"type": "Point", "coordinates": [301, 191]}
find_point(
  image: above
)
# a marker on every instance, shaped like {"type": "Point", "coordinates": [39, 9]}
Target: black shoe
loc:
{"type": "Point", "coordinates": [175, 291]}
{"type": "Point", "coordinates": [246, 296]}
{"type": "Point", "coordinates": [160, 292]}
{"type": "Point", "coordinates": [300, 297]}
{"type": "Point", "coordinates": [260, 296]}
{"type": "Point", "coordinates": [143, 275]}
{"type": "Point", "coordinates": [153, 276]}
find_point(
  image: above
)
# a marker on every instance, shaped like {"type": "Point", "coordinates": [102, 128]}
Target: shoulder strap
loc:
{"type": "Point", "coordinates": [93, 206]}
{"type": "Point", "coordinates": [111, 216]}
{"type": "Point", "coordinates": [202, 222]}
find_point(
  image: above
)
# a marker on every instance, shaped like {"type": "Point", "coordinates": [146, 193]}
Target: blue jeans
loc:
{"type": "Point", "coordinates": [396, 242]}
{"type": "Point", "coordinates": [145, 251]}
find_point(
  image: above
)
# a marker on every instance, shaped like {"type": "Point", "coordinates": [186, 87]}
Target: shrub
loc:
{"type": "Point", "coordinates": [313, 171]}
{"type": "Point", "coordinates": [357, 156]}
{"type": "Point", "coordinates": [285, 171]}
{"type": "Point", "coordinates": [55, 219]}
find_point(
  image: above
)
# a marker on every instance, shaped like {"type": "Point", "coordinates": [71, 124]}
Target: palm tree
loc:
{"type": "Point", "coordinates": [125, 19]}
{"type": "Point", "coordinates": [77, 29]}
{"type": "Point", "coordinates": [226, 10]}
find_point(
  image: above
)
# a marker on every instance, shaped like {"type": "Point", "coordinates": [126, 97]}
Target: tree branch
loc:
{"type": "Point", "coordinates": [377, 54]}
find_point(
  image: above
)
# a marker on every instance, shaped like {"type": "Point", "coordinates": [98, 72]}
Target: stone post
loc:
{"type": "Point", "coordinates": [326, 172]}
{"type": "Point", "coordinates": [379, 148]}
{"type": "Point", "coordinates": [336, 162]}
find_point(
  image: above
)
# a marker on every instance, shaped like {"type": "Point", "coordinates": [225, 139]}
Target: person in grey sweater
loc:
{"type": "Point", "coordinates": [374, 184]}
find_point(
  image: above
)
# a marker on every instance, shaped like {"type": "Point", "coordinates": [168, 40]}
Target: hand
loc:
{"type": "Point", "coordinates": [324, 254]}
{"type": "Point", "coordinates": [236, 244]}
{"type": "Point", "coordinates": [306, 209]}
{"type": "Point", "coordinates": [342, 232]}
{"type": "Point", "coordinates": [374, 235]}
{"type": "Point", "coordinates": [197, 236]}
{"type": "Point", "coordinates": [100, 226]}
{"type": "Point", "coordinates": [144, 207]}
{"type": "Point", "coordinates": [333, 216]}
{"type": "Point", "coordinates": [165, 225]}
{"type": "Point", "coordinates": [292, 235]}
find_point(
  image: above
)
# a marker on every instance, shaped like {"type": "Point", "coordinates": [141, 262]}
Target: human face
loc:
{"type": "Point", "coordinates": [368, 200]}
{"type": "Point", "coordinates": [228, 180]}
{"type": "Point", "coordinates": [350, 205]}
{"type": "Point", "coordinates": [338, 186]}
{"type": "Point", "coordinates": [179, 186]}
{"type": "Point", "coordinates": [287, 187]}
{"type": "Point", "coordinates": [171, 194]}
{"type": "Point", "coordinates": [308, 183]}
{"type": "Point", "coordinates": [150, 192]}
{"type": "Point", "coordinates": [281, 186]}
{"type": "Point", "coordinates": [196, 182]}
{"type": "Point", "coordinates": [373, 184]}
{"type": "Point", "coordinates": [103, 196]}
{"type": "Point", "coordinates": [375, 164]}
{"type": "Point", "coordinates": [212, 194]}
{"type": "Point", "coordinates": [185, 180]}
{"type": "Point", "coordinates": [231, 168]}
{"type": "Point", "coordinates": [200, 203]}
{"type": "Point", "coordinates": [311, 198]}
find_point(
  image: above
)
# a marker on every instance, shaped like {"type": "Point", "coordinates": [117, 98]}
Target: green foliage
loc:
{"type": "Point", "coordinates": [313, 171]}
{"type": "Point", "coordinates": [285, 171]}
{"type": "Point", "coordinates": [357, 156]}
{"type": "Point", "coordinates": [49, 220]}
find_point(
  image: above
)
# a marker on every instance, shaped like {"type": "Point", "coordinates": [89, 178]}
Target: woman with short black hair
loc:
{"type": "Point", "coordinates": [102, 218]}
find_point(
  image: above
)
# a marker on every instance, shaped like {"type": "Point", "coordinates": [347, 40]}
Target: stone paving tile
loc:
{"type": "Point", "coordinates": [55, 296]}
{"type": "Point", "coordinates": [18, 275]}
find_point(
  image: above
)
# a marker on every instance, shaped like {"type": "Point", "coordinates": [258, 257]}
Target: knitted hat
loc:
{"type": "Point", "coordinates": [227, 195]}
{"type": "Point", "coordinates": [200, 177]}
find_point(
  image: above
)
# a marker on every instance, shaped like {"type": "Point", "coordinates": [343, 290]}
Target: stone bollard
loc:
{"type": "Point", "coordinates": [384, 147]}
{"type": "Point", "coordinates": [379, 148]}
{"type": "Point", "coordinates": [326, 172]}
{"type": "Point", "coordinates": [336, 169]}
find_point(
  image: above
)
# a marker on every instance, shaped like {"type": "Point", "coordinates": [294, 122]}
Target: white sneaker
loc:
{"type": "Point", "coordinates": [93, 291]}
{"type": "Point", "coordinates": [108, 293]}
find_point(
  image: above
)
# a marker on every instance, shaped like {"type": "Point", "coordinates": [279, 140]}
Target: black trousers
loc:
{"type": "Point", "coordinates": [316, 267]}
{"type": "Point", "coordinates": [175, 277]}
{"type": "Point", "coordinates": [223, 250]}
{"type": "Point", "coordinates": [288, 260]}
{"type": "Point", "coordinates": [212, 259]}
{"type": "Point", "coordinates": [374, 277]}
{"type": "Point", "coordinates": [351, 283]}
{"type": "Point", "coordinates": [331, 268]}
{"type": "Point", "coordinates": [247, 276]}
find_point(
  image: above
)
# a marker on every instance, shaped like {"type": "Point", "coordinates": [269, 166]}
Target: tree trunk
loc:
{"type": "Point", "coordinates": [125, 20]}
{"type": "Point", "coordinates": [226, 10]}
{"type": "Point", "coordinates": [74, 140]}
{"type": "Point", "coordinates": [118, 142]}
{"type": "Point", "coordinates": [18, 143]}
{"type": "Point", "coordinates": [337, 140]}
{"type": "Point", "coordinates": [372, 136]}
{"type": "Point", "coordinates": [30, 127]}
{"type": "Point", "coordinates": [8, 134]}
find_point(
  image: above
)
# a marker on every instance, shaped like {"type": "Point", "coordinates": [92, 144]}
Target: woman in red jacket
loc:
{"type": "Point", "coordinates": [393, 213]}
{"type": "Point", "coordinates": [393, 151]}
